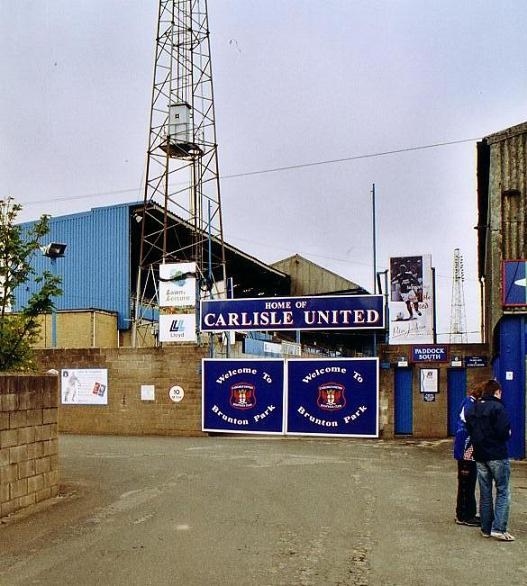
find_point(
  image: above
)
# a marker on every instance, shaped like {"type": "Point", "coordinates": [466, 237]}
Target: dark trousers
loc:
{"type": "Point", "coordinates": [467, 474]}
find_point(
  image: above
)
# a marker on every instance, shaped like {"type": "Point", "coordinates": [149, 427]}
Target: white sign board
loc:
{"type": "Point", "coordinates": [177, 327]}
{"type": "Point", "coordinates": [177, 284]}
{"type": "Point", "coordinates": [148, 392]}
{"type": "Point", "coordinates": [84, 386]}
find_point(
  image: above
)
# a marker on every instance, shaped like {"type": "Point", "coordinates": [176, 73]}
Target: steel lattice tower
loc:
{"type": "Point", "coordinates": [182, 192]}
{"type": "Point", "coordinates": [458, 320]}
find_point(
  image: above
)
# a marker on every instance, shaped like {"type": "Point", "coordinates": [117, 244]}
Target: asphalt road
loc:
{"type": "Point", "coordinates": [258, 511]}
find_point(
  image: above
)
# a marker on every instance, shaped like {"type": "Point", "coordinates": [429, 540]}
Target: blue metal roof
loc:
{"type": "Point", "coordinates": [95, 269]}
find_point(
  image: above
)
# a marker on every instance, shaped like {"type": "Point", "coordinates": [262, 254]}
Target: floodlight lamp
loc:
{"type": "Point", "coordinates": [54, 250]}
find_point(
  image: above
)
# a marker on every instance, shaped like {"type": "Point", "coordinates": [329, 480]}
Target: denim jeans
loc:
{"type": "Point", "coordinates": [494, 514]}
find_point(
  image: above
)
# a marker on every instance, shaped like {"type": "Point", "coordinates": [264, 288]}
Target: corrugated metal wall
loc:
{"type": "Point", "coordinates": [507, 195]}
{"type": "Point", "coordinates": [95, 270]}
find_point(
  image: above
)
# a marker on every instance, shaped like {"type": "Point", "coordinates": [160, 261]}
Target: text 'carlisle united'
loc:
{"type": "Point", "coordinates": [294, 313]}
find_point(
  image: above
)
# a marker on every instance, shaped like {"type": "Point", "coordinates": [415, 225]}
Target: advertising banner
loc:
{"type": "Point", "coordinates": [333, 397]}
{"type": "Point", "coordinates": [515, 283]}
{"type": "Point", "coordinates": [243, 396]}
{"type": "Point", "coordinates": [411, 306]}
{"type": "Point", "coordinates": [339, 312]}
{"type": "Point", "coordinates": [84, 386]}
{"type": "Point", "coordinates": [177, 327]}
{"type": "Point", "coordinates": [177, 284]}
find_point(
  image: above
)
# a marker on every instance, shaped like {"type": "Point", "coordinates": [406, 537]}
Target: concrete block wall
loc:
{"type": "Point", "coordinates": [128, 369]}
{"type": "Point", "coordinates": [29, 469]}
{"type": "Point", "coordinates": [127, 413]}
{"type": "Point", "coordinates": [430, 419]}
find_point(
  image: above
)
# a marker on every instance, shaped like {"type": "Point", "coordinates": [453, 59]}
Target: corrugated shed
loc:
{"type": "Point", "coordinates": [308, 278]}
{"type": "Point", "coordinates": [95, 269]}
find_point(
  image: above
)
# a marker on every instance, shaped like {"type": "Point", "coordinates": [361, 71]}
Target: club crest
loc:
{"type": "Point", "coordinates": [331, 396]}
{"type": "Point", "coordinates": [243, 396]}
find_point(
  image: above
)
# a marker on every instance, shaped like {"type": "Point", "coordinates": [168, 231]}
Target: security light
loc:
{"type": "Point", "coordinates": [54, 250]}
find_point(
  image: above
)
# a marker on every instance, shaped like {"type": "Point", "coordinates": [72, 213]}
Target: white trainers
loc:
{"type": "Point", "coordinates": [502, 535]}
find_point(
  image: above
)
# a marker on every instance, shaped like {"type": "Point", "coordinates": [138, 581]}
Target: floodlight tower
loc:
{"type": "Point", "coordinates": [458, 321]}
{"type": "Point", "coordinates": [182, 191]}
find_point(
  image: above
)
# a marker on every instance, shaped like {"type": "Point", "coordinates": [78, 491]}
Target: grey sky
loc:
{"type": "Point", "coordinates": [295, 82]}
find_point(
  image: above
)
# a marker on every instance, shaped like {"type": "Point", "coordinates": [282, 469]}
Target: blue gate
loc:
{"type": "Point", "coordinates": [456, 392]}
{"type": "Point", "coordinates": [509, 369]}
{"type": "Point", "coordinates": [403, 403]}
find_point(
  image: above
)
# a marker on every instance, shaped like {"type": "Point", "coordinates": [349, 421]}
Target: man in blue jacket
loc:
{"type": "Point", "coordinates": [489, 427]}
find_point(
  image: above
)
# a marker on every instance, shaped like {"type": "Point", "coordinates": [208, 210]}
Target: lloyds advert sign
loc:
{"type": "Point", "coordinates": [334, 397]}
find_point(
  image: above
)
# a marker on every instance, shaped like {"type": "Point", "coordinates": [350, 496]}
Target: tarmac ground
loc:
{"type": "Point", "coordinates": [263, 511]}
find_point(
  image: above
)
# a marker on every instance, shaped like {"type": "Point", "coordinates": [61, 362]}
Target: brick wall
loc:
{"type": "Point", "coordinates": [28, 441]}
{"type": "Point", "coordinates": [126, 413]}
{"type": "Point", "coordinates": [430, 419]}
{"type": "Point", "coordinates": [128, 369]}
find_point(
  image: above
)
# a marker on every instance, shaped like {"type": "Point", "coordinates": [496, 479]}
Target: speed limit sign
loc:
{"type": "Point", "coordinates": [176, 393]}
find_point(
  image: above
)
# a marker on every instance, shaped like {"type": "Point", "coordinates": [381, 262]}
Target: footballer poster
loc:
{"type": "Point", "coordinates": [411, 306]}
{"type": "Point", "coordinates": [334, 397]}
{"type": "Point", "coordinates": [243, 396]}
{"type": "Point", "coordinates": [84, 386]}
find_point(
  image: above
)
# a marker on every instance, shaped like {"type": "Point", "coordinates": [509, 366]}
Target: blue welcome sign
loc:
{"type": "Point", "coordinates": [337, 397]}
{"type": "Point", "coordinates": [243, 396]}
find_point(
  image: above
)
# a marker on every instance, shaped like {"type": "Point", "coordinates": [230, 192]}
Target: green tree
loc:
{"type": "Point", "coordinates": [19, 331]}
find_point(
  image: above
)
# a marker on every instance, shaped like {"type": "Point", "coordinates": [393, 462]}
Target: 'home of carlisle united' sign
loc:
{"type": "Point", "coordinates": [338, 312]}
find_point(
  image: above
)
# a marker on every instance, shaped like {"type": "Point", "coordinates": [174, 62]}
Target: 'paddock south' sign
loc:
{"type": "Point", "coordinates": [339, 312]}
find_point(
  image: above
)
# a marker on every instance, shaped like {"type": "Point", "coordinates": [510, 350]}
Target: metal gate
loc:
{"type": "Point", "coordinates": [456, 392]}
{"type": "Point", "coordinates": [510, 368]}
{"type": "Point", "coordinates": [403, 402]}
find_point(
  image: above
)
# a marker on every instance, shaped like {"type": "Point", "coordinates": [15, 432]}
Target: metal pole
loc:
{"type": "Point", "coordinates": [374, 261]}
{"type": "Point", "coordinates": [374, 240]}
{"type": "Point", "coordinates": [434, 316]}
{"type": "Point", "coordinates": [54, 310]}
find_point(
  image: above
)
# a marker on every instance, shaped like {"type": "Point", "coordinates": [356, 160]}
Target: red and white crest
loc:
{"type": "Point", "coordinates": [331, 396]}
{"type": "Point", "coordinates": [243, 396]}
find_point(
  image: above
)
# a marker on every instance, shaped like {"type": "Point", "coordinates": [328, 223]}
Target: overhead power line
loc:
{"type": "Point", "coordinates": [352, 158]}
{"type": "Point", "coordinates": [272, 170]}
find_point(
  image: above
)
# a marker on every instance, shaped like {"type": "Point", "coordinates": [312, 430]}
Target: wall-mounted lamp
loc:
{"type": "Point", "coordinates": [54, 250]}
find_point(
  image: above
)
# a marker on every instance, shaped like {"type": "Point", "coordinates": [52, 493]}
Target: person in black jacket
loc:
{"type": "Point", "coordinates": [489, 427]}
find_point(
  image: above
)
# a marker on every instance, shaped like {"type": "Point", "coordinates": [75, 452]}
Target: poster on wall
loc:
{"type": "Point", "coordinates": [429, 380]}
{"type": "Point", "coordinates": [177, 284]}
{"type": "Point", "coordinates": [334, 397]}
{"type": "Point", "coordinates": [84, 386]}
{"type": "Point", "coordinates": [411, 306]}
{"type": "Point", "coordinates": [243, 396]}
